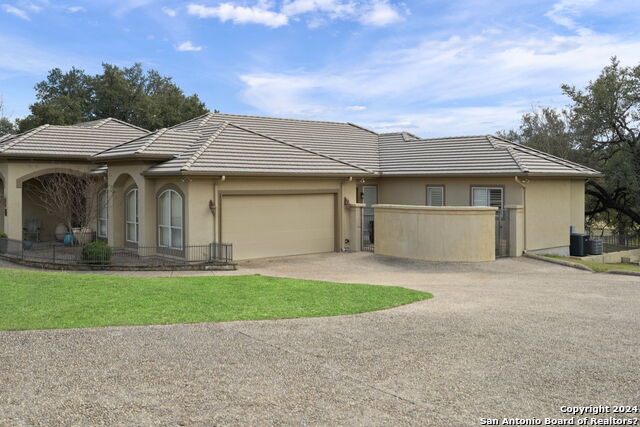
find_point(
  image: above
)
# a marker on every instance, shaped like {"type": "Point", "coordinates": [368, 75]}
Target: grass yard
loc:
{"type": "Point", "coordinates": [37, 300]}
{"type": "Point", "coordinates": [596, 266]}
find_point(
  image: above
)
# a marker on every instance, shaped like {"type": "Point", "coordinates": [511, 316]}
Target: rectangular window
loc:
{"type": "Point", "coordinates": [435, 195]}
{"type": "Point", "coordinates": [488, 196]}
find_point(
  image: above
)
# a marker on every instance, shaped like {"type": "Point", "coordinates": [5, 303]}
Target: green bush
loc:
{"type": "Point", "coordinates": [97, 252]}
{"type": "Point", "coordinates": [3, 235]}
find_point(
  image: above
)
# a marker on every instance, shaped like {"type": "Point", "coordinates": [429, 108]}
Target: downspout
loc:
{"type": "Point", "coordinates": [524, 203]}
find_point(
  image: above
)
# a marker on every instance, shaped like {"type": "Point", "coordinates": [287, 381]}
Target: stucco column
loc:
{"type": "Point", "coordinates": [346, 198]}
{"type": "Point", "coordinates": [13, 218]}
{"type": "Point", "coordinates": [147, 213]}
{"type": "Point", "coordinates": [515, 215]}
{"type": "Point", "coordinates": [355, 226]}
{"type": "Point", "coordinates": [199, 219]}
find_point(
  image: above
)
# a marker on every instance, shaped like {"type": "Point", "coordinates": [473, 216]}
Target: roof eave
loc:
{"type": "Point", "coordinates": [248, 173]}
{"type": "Point", "coordinates": [135, 156]}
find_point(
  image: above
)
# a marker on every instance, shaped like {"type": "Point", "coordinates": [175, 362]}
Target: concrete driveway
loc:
{"type": "Point", "coordinates": [511, 338]}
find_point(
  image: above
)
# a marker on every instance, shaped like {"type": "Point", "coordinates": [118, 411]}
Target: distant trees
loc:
{"type": "Point", "coordinates": [145, 99]}
{"type": "Point", "coordinates": [6, 125]}
{"type": "Point", "coordinates": [601, 129]}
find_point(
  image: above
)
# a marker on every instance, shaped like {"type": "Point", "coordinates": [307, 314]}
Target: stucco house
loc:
{"type": "Point", "coordinates": [274, 187]}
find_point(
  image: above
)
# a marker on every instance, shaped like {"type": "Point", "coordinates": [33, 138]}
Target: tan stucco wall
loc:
{"type": "Point", "coordinates": [413, 191]}
{"type": "Point", "coordinates": [551, 207]}
{"type": "Point", "coordinates": [458, 234]}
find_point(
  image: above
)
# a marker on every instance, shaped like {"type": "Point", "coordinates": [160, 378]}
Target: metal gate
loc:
{"type": "Point", "coordinates": [502, 234]}
{"type": "Point", "coordinates": [368, 237]}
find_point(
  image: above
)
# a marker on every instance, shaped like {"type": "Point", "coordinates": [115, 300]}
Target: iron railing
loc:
{"type": "Point", "coordinates": [103, 254]}
{"type": "Point", "coordinates": [619, 242]}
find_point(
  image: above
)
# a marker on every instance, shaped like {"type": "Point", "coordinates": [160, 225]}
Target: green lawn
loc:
{"type": "Point", "coordinates": [597, 266]}
{"type": "Point", "coordinates": [35, 300]}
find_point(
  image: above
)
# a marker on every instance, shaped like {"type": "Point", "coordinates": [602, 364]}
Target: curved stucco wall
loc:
{"type": "Point", "coordinates": [459, 234]}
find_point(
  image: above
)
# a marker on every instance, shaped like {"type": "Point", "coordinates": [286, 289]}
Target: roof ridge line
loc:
{"type": "Point", "coordinates": [551, 157]}
{"type": "Point", "coordinates": [542, 154]}
{"type": "Point", "coordinates": [153, 139]}
{"type": "Point", "coordinates": [124, 143]}
{"type": "Point", "coordinates": [20, 138]}
{"type": "Point", "coordinates": [125, 123]}
{"type": "Point", "coordinates": [100, 123]}
{"type": "Point", "coordinates": [517, 159]}
{"type": "Point", "coordinates": [206, 119]}
{"type": "Point", "coordinates": [195, 156]}
{"type": "Point", "coordinates": [301, 148]}
{"type": "Point", "coordinates": [451, 137]}
{"type": "Point", "coordinates": [190, 120]}
{"type": "Point", "coordinates": [284, 118]}
{"type": "Point", "coordinates": [362, 127]}
{"type": "Point", "coordinates": [490, 139]}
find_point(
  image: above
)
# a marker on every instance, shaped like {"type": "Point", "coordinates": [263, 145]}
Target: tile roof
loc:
{"type": "Point", "coordinates": [76, 141]}
{"type": "Point", "coordinates": [227, 148]}
{"type": "Point", "coordinates": [161, 144]}
{"type": "Point", "coordinates": [218, 143]}
{"type": "Point", "coordinates": [468, 155]}
{"type": "Point", "coordinates": [345, 141]}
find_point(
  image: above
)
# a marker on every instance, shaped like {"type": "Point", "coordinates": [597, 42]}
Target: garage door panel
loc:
{"type": "Point", "coordinates": [278, 225]}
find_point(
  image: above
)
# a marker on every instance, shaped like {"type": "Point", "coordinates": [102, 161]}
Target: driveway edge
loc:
{"type": "Point", "coordinates": [559, 262]}
{"type": "Point", "coordinates": [625, 273]}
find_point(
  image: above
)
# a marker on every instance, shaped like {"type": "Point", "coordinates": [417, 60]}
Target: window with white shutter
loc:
{"type": "Point", "coordinates": [435, 196]}
{"type": "Point", "coordinates": [487, 196]}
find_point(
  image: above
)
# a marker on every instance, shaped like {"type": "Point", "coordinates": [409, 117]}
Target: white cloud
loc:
{"type": "Point", "coordinates": [16, 12]}
{"type": "Point", "coordinates": [76, 9]}
{"type": "Point", "coordinates": [239, 14]}
{"type": "Point", "coordinates": [335, 8]}
{"type": "Point", "coordinates": [318, 12]}
{"type": "Point", "coordinates": [169, 12]}
{"type": "Point", "coordinates": [188, 47]}
{"type": "Point", "coordinates": [381, 13]}
{"type": "Point", "coordinates": [564, 12]}
{"type": "Point", "coordinates": [355, 107]}
{"type": "Point", "coordinates": [502, 74]}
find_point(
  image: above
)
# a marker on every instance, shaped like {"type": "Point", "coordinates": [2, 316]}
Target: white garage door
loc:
{"type": "Point", "coordinates": [262, 226]}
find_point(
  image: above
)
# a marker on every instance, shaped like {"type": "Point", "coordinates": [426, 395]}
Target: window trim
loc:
{"type": "Point", "coordinates": [104, 192]}
{"type": "Point", "coordinates": [444, 194]}
{"type": "Point", "coordinates": [171, 227]}
{"type": "Point", "coordinates": [489, 187]}
{"type": "Point", "coordinates": [126, 218]}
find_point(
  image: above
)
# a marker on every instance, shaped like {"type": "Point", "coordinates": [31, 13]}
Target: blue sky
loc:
{"type": "Point", "coordinates": [431, 67]}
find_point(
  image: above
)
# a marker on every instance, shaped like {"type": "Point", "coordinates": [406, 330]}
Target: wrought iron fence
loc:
{"type": "Point", "coordinates": [368, 236]}
{"type": "Point", "coordinates": [619, 242]}
{"type": "Point", "coordinates": [101, 254]}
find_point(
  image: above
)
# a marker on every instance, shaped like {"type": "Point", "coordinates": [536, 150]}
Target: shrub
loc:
{"type": "Point", "coordinates": [3, 235]}
{"type": "Point", "coordinates": [97, 252]}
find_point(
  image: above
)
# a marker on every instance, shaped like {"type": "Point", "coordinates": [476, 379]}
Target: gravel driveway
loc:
{"type": "Point", "coordinates": [511, 338]}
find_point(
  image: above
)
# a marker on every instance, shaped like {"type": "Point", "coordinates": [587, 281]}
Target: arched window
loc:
{"type": "Point", "coordinates": [170, 219]}
{"type": "Point", "coordinates": [131, 210]}
{"type": "Point", "coordinates": [103, 213]}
